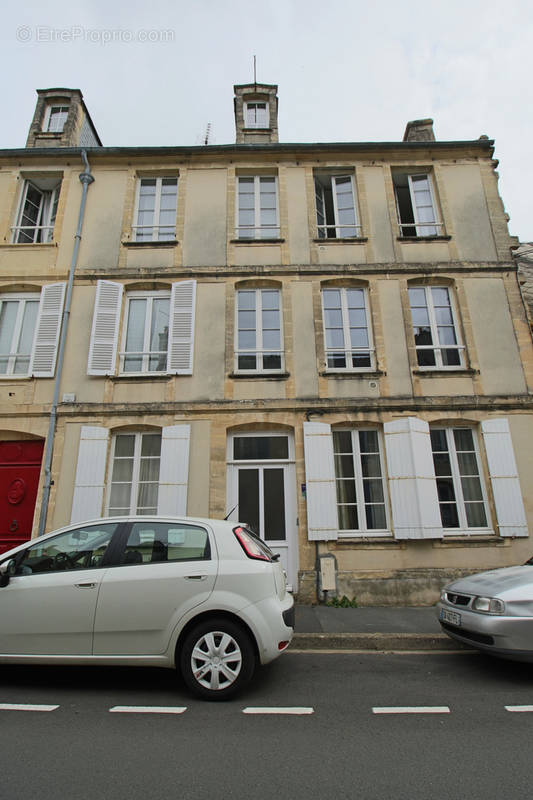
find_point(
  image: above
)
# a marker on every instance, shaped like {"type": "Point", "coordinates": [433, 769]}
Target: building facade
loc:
{"type": "Point", "coordinates": [327, 341]}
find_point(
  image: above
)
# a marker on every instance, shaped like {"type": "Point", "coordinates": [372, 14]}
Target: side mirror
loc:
{"type": "Point", "coordinates": [7, 570]}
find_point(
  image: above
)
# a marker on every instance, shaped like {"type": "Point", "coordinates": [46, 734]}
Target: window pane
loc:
{"type": "Point", "coordinates": [463, 439]}
{"type": "Point", "coordinates": [348, 518]}
{"type": "Point", "coordinates": [124, 444]}
{"type": "Point", "coordinates": [371, 467]}
{"type": "Point", "coordinates": [342, 441]}
{"type": "Point", "coordinates": [376, 519]}
{"type": "Point", "coordinates": [475, 515]}
{"type": "Point", "coordinates": [246, 362]}
{"type": "Point", "coordinates": [122, 470]}
{"type": "Point", "coordinates": [346, 491]}
{"type": "Point", "coordinates": [271, 362]}
{"type": "Point", "coordinates": [135, 329]}
{"type": "Point", "coordinates": [246, 300]}
{"type": "Point", "coordinates": [249, 498]}
{"type": "Point", "coordinates": [274, 504]}
{"type": "Point", "coordinates": [344, 466]}
{"type": "Point", "coordinates": [373, 490]}
{"type": "Point", "coordinates": [257, 448]}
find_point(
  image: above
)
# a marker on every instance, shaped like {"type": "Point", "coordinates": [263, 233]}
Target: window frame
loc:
{"type": "Point", "coordinates": [358, 479]}
{"type": "Point", "coordinates": [417, 224]}
{"type": "Point", "coordinates": [145, 354]}
{"type": "Point", "coordinates": [48, 114]}
{"type": "Point", "coordinates": [42, 232]}
{"type": "Point", "coordinates": [463, 528]}
{"type": "Point", "coordinates": [156, 226]}
{"type": "Point", "coordinates": [348, 351]}
{"type": "Point", "coordinates": [336, 226]}
{"type": "Point", "coordinates": [259, 351]}
{"type": "Point", "coordinates": [135, 482]}
{"type": "Point", "coordinates": [436, 347]}
{"type": "Point", "coordinates": [22, 299]}
{"type": "Point", "coordinates": [255, 125]}
{"type": "Point", "coordinates": [257, 230]}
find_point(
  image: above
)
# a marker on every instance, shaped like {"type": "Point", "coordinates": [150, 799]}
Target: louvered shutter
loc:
{"type": "Point", "coordinates": [322, 522]}
{"type": "Point", "coordinates": [504, 477]}
{"type": "Point", "coordinates": [47, 330]}
{"type": "Point", "coordinates": [412, 485]}
{"type": "Point", "coordinates": [104, 333]}
{"type": "Point", "coordinates": [181, 328]}
{"type": "Point", "coordinates": [88, 499]}
{"type": "Point", "coordinates": [174, 470]}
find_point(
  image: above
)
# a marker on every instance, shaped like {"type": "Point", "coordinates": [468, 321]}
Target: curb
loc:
{"type": "Point", "coordinates": [375, 641]}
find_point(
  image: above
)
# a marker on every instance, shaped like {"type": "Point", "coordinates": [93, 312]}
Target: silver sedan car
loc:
{"type": "Point", "coordinates": [492, 611]}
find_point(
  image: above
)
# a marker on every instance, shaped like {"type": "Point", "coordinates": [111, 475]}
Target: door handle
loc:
{"type": "Point", "coordinates": [85, 585]}
{"type": "Point", "coordinates": [195, 577]}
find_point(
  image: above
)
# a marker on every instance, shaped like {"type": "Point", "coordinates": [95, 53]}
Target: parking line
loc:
{"type": "Point", "coordinates": [411, 710]}
{"type": "Point", "coordinates": [518, 708]}
{"type": "Point", "coordinates": [25, 707]}
{"type": "Point", "coordinates": [296, 710]}
{"type": "Point", "coordinates": [148, 709]}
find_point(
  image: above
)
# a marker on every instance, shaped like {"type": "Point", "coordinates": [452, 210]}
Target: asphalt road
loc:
{"type": "Point", "coordinates": [360, 726]}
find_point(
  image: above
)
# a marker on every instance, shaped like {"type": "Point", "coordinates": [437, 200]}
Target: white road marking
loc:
{"type": "Point", "coordinates": [148, 709]}
{"type": "Point", "coordinates": [25, 707]}
{"type": "Point", "coordinates": [297, 710]}
{"type": "Point", "coordinates": [411, 710]}
{"type": "Point", "coordinates": [519, 708]}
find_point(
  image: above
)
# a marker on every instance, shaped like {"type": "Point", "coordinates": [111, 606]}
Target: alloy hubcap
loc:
{"type": "Point", "coordinates": [216, 660]}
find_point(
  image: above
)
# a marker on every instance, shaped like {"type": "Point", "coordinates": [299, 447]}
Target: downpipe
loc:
{"type": "Point", "coordinates": [86, 179]}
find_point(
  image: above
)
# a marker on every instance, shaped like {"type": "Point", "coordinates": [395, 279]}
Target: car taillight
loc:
{"type": "Point", "coordinates": [251, 546]}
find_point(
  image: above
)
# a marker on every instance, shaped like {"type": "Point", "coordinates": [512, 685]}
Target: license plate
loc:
{"type": "Point", "coordinates": [450, 616]}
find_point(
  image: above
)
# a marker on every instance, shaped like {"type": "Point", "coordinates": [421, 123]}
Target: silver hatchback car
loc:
{"type": "Point", "coordinates": [492, 611]}
{"type": "Point", "coordinates": [206, 596]}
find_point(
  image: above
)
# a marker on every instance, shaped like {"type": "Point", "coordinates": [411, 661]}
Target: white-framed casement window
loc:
{"type": "Point", "coordinates": [436, 332]}
{"type": "Point", "coordinates": [134, 481]}
{"type": "Point", "coordinates": [258, 332]}
{"type": "Point", "coordinates": [37, 211]}
{"type": "Point", "coordinates": [55, 118]}
{"type": "Point", "coordinates": [145, 340]}
{"type": "Point", "coordinates": [416, 205]}
{"type": "Point", "coordinates": [257, 207]}
{"type": "Point", "coordinates": [155, 209]}
{"type": "Point", "coordinates": [347, 332]}
{"type": "Point", "coordinates": [361, 505]}
{"type": "Point", "coordinates": [336, 209]}
{"type": "Point", "coordinates": [460, 489]}
{"type": "Point", "coordinates": [256, 114]}
{"type": "Point", "coordinates": [157, 330]}
{"type": "Point", "coordinates": [29, 332]}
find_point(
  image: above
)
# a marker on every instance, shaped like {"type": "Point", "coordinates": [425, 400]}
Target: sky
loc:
{"type": "Point", "coordinates": [159, 72]}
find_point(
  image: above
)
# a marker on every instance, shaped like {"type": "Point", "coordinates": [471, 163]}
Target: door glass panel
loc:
{"type": "Point", "coordinates": [249, 498]}
{"type": "Point", "coordinates": [259, 448]}
{"type": "Point", "coordinates": [82, 548]}
{"type": "Point", "coordinates": [274, 503]}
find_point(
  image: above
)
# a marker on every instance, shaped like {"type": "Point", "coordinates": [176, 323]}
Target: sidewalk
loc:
{"type": "Point", "coordinates": [370, 628]}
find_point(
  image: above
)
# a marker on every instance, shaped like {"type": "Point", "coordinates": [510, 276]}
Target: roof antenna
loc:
{"type": "Point", "coordinates": [207, 133]}
{"type": "Point", "coordinates": [255, 72]}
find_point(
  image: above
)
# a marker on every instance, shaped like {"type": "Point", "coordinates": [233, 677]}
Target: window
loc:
{"type": "Point", "coordinates": [258, 335]}
{"type": "Point", "coordinates": [37, 213]}
{"type": "Point", "coordinates": [18, 318]}
{"type": "Point", "coordinates": [459, 487]}
{"type": "Point", "coordinates": [55, 118]}
{"type": "Point", "coordinates": [415, 204]}
{"type": "Point", "coordinates": [359, 481]}
{"type": "Point", "coordinates": [336, 214]}
{"type": "Point", "coordinates": [134, 484]}
{"type": "Point", "coordinates": [346, 329]}
{"type": "Point", "coordinates": [256, 115]}
{"type": "Point", "coordinates": [157, 542]}
{"type": "Point", "coordinates": [155, 214]}
{"type": "Point", "coordinates": [436, 336]}
{"type": "Point", "coordinates": [146, 332]}
{"type": "Point", "coordinates": [82, 548]}
{"type": "Point", "coordinates": [257, 207]}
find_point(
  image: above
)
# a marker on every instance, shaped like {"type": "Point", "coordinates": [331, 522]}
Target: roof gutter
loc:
{"type": "Point", "coordinates": [86, 179]}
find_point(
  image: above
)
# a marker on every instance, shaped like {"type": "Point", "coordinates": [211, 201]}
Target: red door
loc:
{"type": "Point", "coordinates": [20, 467]}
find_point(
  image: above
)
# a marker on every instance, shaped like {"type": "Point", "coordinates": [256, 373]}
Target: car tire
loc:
{"type": "Point", "coordinates": [217, 659]}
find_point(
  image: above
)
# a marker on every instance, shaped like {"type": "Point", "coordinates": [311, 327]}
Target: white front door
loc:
{"type": "Point", "coordinates": [261, 492]}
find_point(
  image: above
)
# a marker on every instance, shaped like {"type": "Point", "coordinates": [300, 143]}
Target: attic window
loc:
{"type": "Point", "coordinates": [55, 118]}
{"type": "Point", "coordinates": [256, 115]}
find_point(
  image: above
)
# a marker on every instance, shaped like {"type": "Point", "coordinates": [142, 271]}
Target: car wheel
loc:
{"type": "Point", "coordinates": [217, 659]}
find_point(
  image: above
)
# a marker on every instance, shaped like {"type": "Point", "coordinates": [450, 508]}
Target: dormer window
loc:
{"type": "Point", "coordinates": [256, 115]}
{"type": "Point", "coordinates": [55, 118]}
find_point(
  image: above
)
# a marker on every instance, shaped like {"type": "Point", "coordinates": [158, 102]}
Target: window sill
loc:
{"type": "Point", "coordinates": [124, 377]}
{"type": "Point", "coordinates": [28, 245]}
{"type": "Point", "coordinates": [435, 372]}
{"type": "Point", "coordinates": [159, 245]}
{"type": "Point", "coordinates": [259, 376]}
{"type": "Point", "coordinates": [423, 238]}
{"type": "Point", "coordinates": [351, 374]}
{"type": "Point", "coordinates": [464, 539]}
{"type": "Point", "coordinates": [16, 378]}
{"type": "Point", "coordinates": [256, 241]}
{"type": "Point", "coordinates": [385, 539]}
{"type": "Point", "coordinates": [343, 240]}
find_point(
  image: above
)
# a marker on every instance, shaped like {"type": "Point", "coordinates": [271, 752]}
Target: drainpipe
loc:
{"type": "Point", "coordinates": [86, 179]}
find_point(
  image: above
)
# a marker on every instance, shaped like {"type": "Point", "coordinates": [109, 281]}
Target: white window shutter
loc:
{"type": "Point", "coordinates": [47, 330]}
{"type": "Point", "coordinates": [181, 328]}
{"type": "Point", "coordinates": [104, 333]}
{"type": "Point", "coordinates": [174, 470]}
{"type": "Point", "coordinates": [322, 521]}
{"type": "Point", "coordinates": [504, 478]}
{"type": "Point", "coordinates": [89, 485]}
{"type": "Point", "coordinates": [412, 485]}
